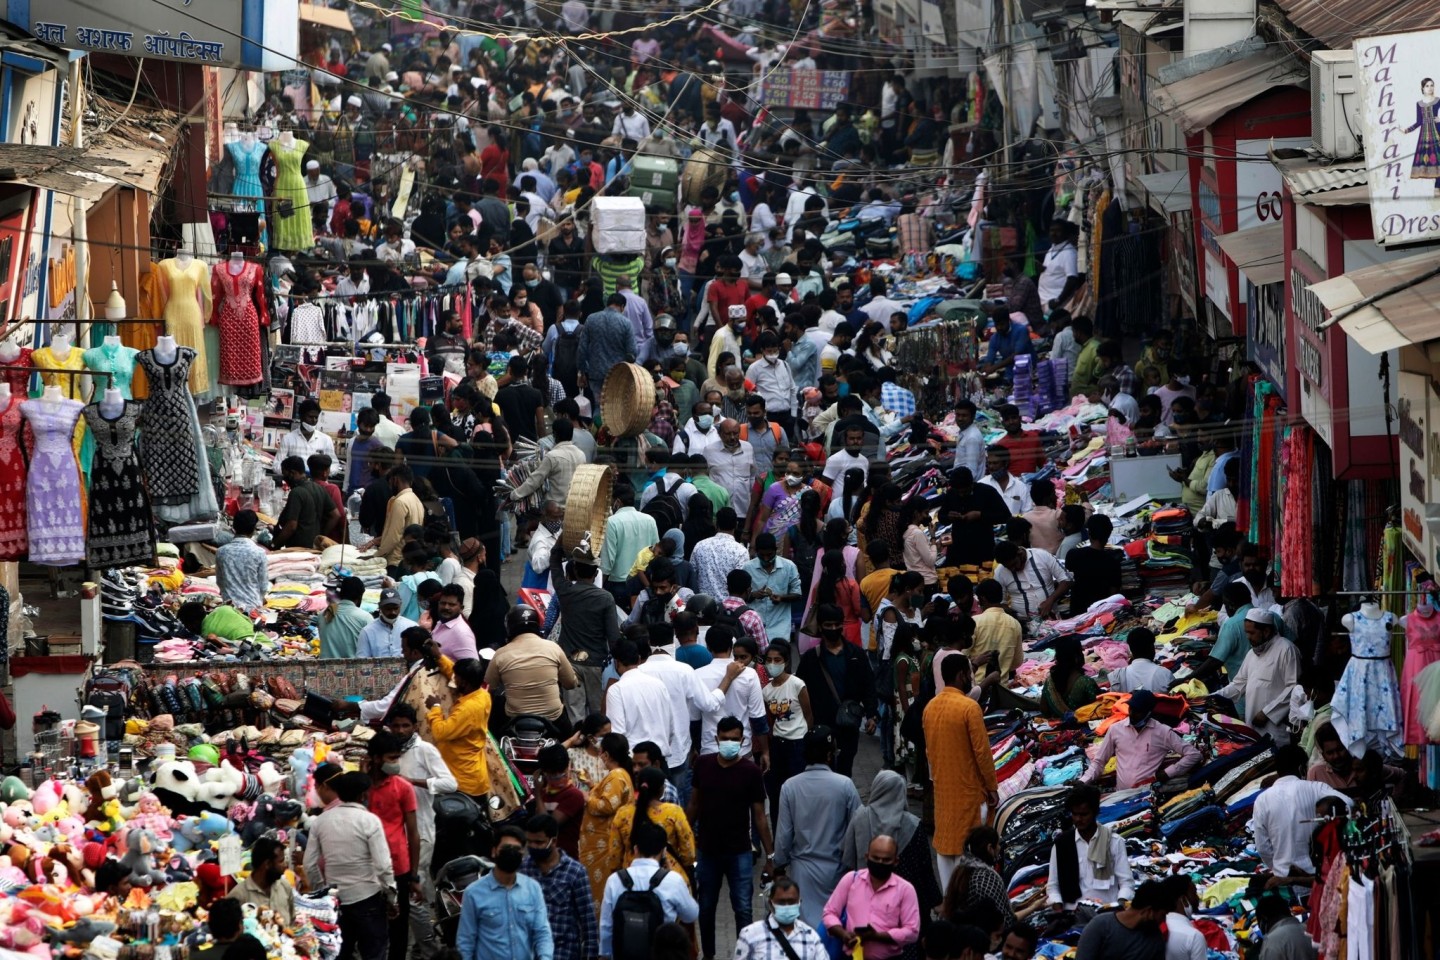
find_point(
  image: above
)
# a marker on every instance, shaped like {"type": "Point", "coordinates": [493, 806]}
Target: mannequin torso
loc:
{"type": "Point", "coordinates": [60, 347]}
{"type": "Point", "coordinates": [112, 404]}
{"type": "Point", "coordinates": [9, 351]}
{"type": "Point", "coordinates": [165, 348]}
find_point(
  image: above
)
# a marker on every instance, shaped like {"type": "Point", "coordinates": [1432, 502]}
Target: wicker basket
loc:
{"type": "Point", "coordinates": [587, 507]}
{"type": "Point", "coordinates": [627, 401]}
{"type": "Point", "coordinates": [707, 167]}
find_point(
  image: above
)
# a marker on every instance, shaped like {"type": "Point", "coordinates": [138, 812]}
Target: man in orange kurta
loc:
{"type": "Point", "coordinates": [961, 766]}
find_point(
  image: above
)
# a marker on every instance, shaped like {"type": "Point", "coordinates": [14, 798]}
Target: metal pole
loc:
{"type": "Point", "coordinates": [81, 230]}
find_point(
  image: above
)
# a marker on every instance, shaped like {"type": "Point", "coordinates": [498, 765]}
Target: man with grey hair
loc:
{"type": "Point", "coordinates": [752, 264]}
{"type": "Point", "coordinates": [732, 466]}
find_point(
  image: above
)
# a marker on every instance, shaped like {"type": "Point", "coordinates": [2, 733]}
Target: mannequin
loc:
{"type": "Point", "coordinates": [9, 351]}
{"type": "Point", "coordinates": [237, 263]}
{"type": "Point", "coordinates": [291, 231]}
{"type": "Point", "coordinates": [112, 404]}
{"type": "Point", "coordinates": [246, 153]}
{"type": "Point", "coordinates": [4, 394]}
{"type": "Point", "coordinates": [185, 285]}
{"type": "Point", "coordinates": [248, 138]}
{"type": "Point", "coordinates": [165, 347]}
{"type": "Point", "coordinates": [112, 342]}
{"type": "Point", "coordinates": [242, 313]}
{"type": "Point", "coordinates": [54, 498]}
{"type": "Point", "coordinates": [1366, 709]}
{"type": "Point", "coordinates": [52, 395]}
{"type": "Point", "coordinates": [183, 258]}
{"type": "Point", "coordinates": [1422, 648]}
{"type": "Point", "coordinates": [60, 346]}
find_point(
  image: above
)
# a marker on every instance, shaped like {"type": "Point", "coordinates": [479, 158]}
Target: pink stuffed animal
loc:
{"type": "Point", "coordinates": [151, 815]}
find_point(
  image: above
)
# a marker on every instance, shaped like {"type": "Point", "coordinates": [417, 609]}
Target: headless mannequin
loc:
{"type": "Point", "coordinates": [112, 343]}
{"type": "Point", "coordinates": [9, 351]}
{"type": "Point", "coordinates": [237, 263]}
{"type": "Point", "coordinates": [52, 395]}
{"type": "Point", "coordinates": [183, 258]}
{"type": "Point", "coordinates": [287, 139]}
{"type": "Point", "coordinates": [4, 394]}
{"type": "Point", "coordinates": [112, 404]}
{"type": "Point", "coordinates": [166, 349]}
{"type": "Point", "coordinates": [60, 346]}
{"type": "Point", "coordinates": [1424, 609]}
{"type": "Point", "coordinates": [248, 138]}
{"type": "Point", "coordinates": [1370, 610]}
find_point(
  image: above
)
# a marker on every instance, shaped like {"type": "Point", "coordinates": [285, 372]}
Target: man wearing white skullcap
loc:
{"type": "Point", "coordinates": [322, 192]}
{"type": "Point", "coordinates": [378, 63]}
{"type": "Point", "coordinates": [1268, 674]}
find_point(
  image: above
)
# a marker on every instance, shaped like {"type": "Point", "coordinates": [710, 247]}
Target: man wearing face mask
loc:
{"type": "Point", "coordinates": [700, 434]}
{"type": "Point", "coordinates": [873, 907]}
{"type": "Point", "coordinates": [544, 294]}
{"type": "Point", "coordinates": [306, 439]}
{"type": "Point", "coordinates": [569, 905]}
{"type": "Point", "coordinates": [1140, 746]}
{"type": "Point", "coordinates": [392, 800]}
{"type": "Point", "coordinates": [775, 384]}
{"type": "Point", "coordinates": [727, 802]}
{"type": "Point", "coordinates": [758, 941]}
{"type": "Point", "coordinates": [503, 915]}
{"type": "Point", "coordinates": [729, 338]}
{"type": "Point", "coordinates": [1267, 675]}
{"type": "Point", "coordinates": [381, 637]}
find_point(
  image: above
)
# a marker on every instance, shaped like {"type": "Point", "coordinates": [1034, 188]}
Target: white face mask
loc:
{"type": "Point", "coordinates": [307, 428]}
{"type": "Point", "coordinates": [670, 262]}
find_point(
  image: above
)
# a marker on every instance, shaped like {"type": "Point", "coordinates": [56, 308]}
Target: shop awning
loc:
{"type": "Point", "coordinates": [1258, 252]}
{"type": "Point", "coordinates": [1198, 101]}
{"type": "Point", "coordinates": [112, 160]}
{"type": "Point", "coordinates": [1324, 184]}
{"type": "Point", "coordinates": [326, 17]}
{"type": "Point", "coordinates": [1404, 317]}
{"type": "Point", "coordinates": [1169, 190]}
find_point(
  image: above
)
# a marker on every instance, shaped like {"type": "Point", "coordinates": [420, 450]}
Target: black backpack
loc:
{"type": "Point", "coordinates": [664, 508]}
{"type": "Point", "coordinates": [731, 618]}
{"type": "Point", "coordinates": [566, 365]}
{"type": "Point", "coordinates": [635, 918]}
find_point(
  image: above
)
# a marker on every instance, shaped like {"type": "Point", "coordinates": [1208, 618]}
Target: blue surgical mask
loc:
{"type": "Point", "coordinates": [787, 913]}
{"type": "Point", "coordinates": [729, 749]}
{"type": "Point", "coordinates": [734, 196]}
{"type": "Point", "coordinates": [844, 389]}
{"type": "Point", "coordinates": [1139, 723]}
{"type": "Point", "coordinates": [533, 283]}
{"type": "Point", "coordinates": [704, 422]}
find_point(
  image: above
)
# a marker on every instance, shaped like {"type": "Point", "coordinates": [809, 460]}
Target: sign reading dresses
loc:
{"type": "Point", "coordinates": [1400, 127]}
{"type": "Point", "coordinates": [805, 89]}
{"type": "Point", "coordinates": [252, 34]}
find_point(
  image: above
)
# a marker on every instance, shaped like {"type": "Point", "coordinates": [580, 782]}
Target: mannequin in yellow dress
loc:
{"type": "Point", "coordinates": [185, 286]}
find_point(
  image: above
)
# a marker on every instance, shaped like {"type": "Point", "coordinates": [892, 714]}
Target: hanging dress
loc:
{"type": "Point", "coordinates": [1422, 648]}
{"type": "Point", "coordinates": [13, 539]}
{"type": "Point", "coordinates": [119, 362]}
{"type": "Point", "coordinates": [56, 519]}
{"type": "Point", "coordinates": [187, 308]}
{"type": "Point", "coordinates": [169, 450]}
{"type": "Point", "coordinates": [240, 314]}
{"type": "Point", "coordinates": [1366, 707]}
{"type": "Point", "coordinates": [73, 388]}
{"type": "Point", "coordinates": [18, 373]}
{"type": "Point", "coordinates": [247, 172]}
{"type": "Point", "coordinates": [293, 232]}
{"type": "Point", "coordinates": [121, 528]}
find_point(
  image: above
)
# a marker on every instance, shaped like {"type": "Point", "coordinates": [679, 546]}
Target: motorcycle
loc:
{"type": "Point", "coordinates": [450, 883]}
{"type": "Point", "coordinates": [522, 742]}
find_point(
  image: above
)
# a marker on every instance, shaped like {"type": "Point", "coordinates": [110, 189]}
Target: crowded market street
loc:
{"type": "Point", "coordinates": [889, 480]}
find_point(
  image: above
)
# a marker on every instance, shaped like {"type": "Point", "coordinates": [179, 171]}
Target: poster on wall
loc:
{"type": "Point", "coordinates": [1400, 129]}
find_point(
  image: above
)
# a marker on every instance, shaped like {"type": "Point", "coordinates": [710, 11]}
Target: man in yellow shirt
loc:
{"type": "Point", "coordinates": [403, 510]}
{"type": "Point", "coordinates": [995, 630]}
{"type": "Point", "coordinates": [461, 736]}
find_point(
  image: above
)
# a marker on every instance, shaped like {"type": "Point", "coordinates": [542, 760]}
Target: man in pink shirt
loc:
{"type": "Point", "coordinates": [452, 633]}
{"type": "Point", "coordinates": [881, 909]}
{"type": "Point", "coordinates": [1140, 746]}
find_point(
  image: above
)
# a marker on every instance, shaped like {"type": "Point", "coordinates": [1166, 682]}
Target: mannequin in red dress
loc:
{"type": "Point", "coordinates": [241, 314]}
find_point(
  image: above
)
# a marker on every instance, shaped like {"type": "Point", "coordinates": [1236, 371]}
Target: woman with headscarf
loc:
{"type": "Point", "coordinates": [677, 558]}
{"type": "Point", "coordinates": [847, 505]}
{"type": "Point", "coordinates": [888, 815]}
{"type": "Point", "coordinates": [1068, 687]}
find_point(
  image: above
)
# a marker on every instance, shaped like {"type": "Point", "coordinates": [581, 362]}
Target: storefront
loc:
{"type": "Point", "coordinates": [1231, 116]}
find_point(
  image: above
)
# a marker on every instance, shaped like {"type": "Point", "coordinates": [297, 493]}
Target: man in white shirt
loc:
{"type": "Point", "coordinates": [743, 700]}
{"type": "Point", "coordinates": [630, 123]}
{"type": "Point", "coordinates": [1088, 860]}
{"type": "Point", "coordinates": [732, 466]}
{"type": "Point", "coordinates": [387, 431]}
{"type": "Point", "coordinates": [320, 190]}
{"type": "Point", "coordinates": [638, 705]}
{"type": "Point", "coordinates": [1267, 675]}
{"type": "Point", "coordinates": [1183, 941]}
{"type": "Point", "coordinates": [687, 692]}
{"type": "Point", "coordinates": [718, 132]}
{"type": "Point", "coordinates": [1034, 581]}
{"type": "Point", "coordinates": [752, 265]}
{"type": "Point", "coordinates": [1060, 275]}
{"type": "Point", "coordinates": [699, 433]}
{"type": "Point", "coordinates": [1014, 491]}
{"type": "Point", "coordinates": [795, 209]}
{"type": "Point", "coordinates": [422, 765]}
{"type": "Point", "coordinates": [347, 850]}
{"type": "Point", "coordinates": [970, 445]}
{"type": "Point", "coordinates": [880, 307]}
{"type": "Point", "coordinates": [850, 457]}
{"type": "Point", "coordinates": [381, 637]}
{"type": "Point", "coordinates": [307, 438]}
{"type": "Point", "coordinates": [1142, 672]}
{"type": "Point", "coordinates": [773, 382]}
{"type": "Point", "coordinates": [574, 16]}
{"type": "Point", "coordinates": [1220, 507]}
{"type": "Point", "coordinates": [1284, 815]}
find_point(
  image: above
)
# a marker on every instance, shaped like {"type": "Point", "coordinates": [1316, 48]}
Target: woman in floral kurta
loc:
{"type": "Point", "coordinates": [606, 797]}
{"type": "Point", "coordinates": [679, 840]}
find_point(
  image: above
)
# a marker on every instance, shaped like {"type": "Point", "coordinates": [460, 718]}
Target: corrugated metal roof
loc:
{"type": "Point", "coordinates": [1198, 101]}
{"type": "Point", "coordinates": [110, 161]}
{"type": "Point", "coordinates": [1258, 252]}
{"type": "Point", "coordinates": [1324, 184]}
{"type": "Point", "coordinates": [1169, 190]}
{"type": "Point", "coordinates": [1336, 23]}
{"type": "Point", "coordinates": [1403, 317]}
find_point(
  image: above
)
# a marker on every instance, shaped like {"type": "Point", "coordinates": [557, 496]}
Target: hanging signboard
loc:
{"type": "Point", "coordinates": [1400, 127]}
{"type": "Point", "coordinates": [805, 89]}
